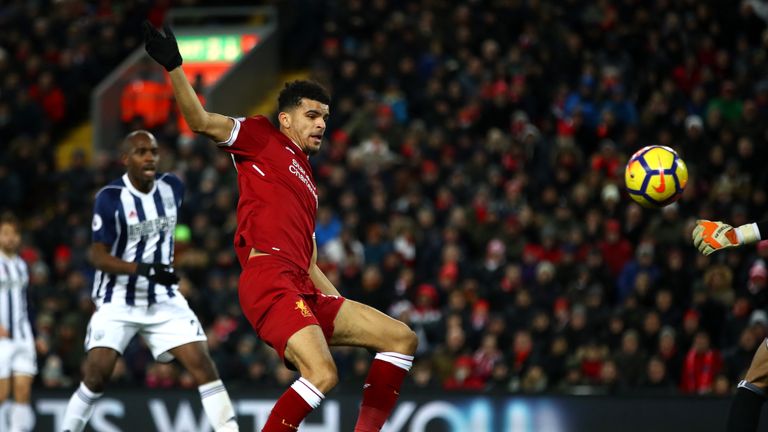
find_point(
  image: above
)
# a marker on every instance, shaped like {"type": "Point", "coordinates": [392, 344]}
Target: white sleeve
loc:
{"type": "Point", "coordinates": [233, 134]}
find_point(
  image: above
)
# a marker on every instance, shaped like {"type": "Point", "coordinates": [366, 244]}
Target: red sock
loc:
{"type": "Point", "coordinates": [293, 406]}
{"type": "Point", "coordinates": [382, 387]}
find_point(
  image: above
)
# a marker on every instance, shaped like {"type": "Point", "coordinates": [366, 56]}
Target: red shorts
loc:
{"type": "Point", "coordinates": [279, 299]}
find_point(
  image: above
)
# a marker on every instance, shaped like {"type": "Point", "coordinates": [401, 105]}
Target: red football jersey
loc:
{"type": "Point", "coordinates": [278, 198]}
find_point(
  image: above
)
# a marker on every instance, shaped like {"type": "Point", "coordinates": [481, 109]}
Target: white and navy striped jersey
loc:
{"type": "Point", "coordinates": [14, 280]}
{"type": "Point", "coordinates": [136, 227]}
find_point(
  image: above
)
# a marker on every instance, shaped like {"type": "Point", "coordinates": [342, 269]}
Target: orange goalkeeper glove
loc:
{"type": "Point", "coordinates": [710, 236]}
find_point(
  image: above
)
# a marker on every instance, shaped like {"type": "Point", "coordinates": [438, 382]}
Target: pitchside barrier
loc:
{"type": "Point", "coordinates": [180, 411]}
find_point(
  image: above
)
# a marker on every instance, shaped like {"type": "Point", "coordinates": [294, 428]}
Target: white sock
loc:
{"type": "Point", "coordinates": [22, 418]}
{"type": "Point", "coordinates": [308, 392]}
{"type": "Point", "coordinates": [218, 407]}
{"type": "Point", "coordinates": [400, 360]}
{"type": "Point", "coordinates": [79, 409]}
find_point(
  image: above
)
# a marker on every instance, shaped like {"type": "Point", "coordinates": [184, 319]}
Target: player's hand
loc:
{"type": "Point", "coordinates": [710, 236]}
{"type": "Point", "coordinates": [158, 273]}
{"type": "Point", "coordinates": [4, 333]}
{"type": "Point", "coordinates": [163, 49]}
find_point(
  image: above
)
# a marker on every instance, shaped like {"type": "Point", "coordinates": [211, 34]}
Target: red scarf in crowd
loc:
{"type": "Point", "coordinates": [699, 371]}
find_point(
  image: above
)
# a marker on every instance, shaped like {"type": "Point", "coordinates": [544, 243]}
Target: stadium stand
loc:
{"type": "Point", "coordinates": [470, 184]}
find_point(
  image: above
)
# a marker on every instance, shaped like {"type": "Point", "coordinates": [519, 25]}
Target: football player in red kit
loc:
{"type": "Point", "coordinates": [285, 296]}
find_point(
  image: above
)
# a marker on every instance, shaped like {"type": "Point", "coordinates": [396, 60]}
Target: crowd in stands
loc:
{"type": "Point", "coordinates": [471, 185]}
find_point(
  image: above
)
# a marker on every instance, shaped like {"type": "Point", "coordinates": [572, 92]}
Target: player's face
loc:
{"type": "Point", "coordinates": [308, 124]}
{"type": "Point", "coordinates": [141, 158]}
{"type": "Point", "coordinates": [10, 238]}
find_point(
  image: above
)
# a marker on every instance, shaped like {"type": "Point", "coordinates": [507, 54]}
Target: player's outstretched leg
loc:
{"type": "Point", "coordinates": [97, 369]}
{"type": "Point", "coordinates": [216, 402]}
{"type": "Point", "coordinates": [750, 394]}
{"type": "Point", "coordinates": [359, 325]}
{"type": "Point", "coordinates": [22, 417]}
{"type": "Point", "coordinates": [308, 351]}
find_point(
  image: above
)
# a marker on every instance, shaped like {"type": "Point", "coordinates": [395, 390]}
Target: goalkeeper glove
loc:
{"type": "Point", "coordinates": [710, 236]}
{"type": "Point", "coordinates": [157, 273]}
{"type": "Point", "coordinates": [163, 49]}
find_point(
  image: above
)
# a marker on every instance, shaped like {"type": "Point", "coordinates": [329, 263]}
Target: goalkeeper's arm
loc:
{"type": "Point", "coordinates": [164, 50]}
{"type": "Point", "coordinates": [710, 236]}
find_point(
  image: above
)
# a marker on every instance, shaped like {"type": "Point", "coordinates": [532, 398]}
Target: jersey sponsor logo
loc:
{"type": "Point", "coordinates": [96, 223]}
{"type": "Point", "coordinates": [299, 172]}
{"type": "Point", "coordinates": [303, 308]}
{"type": "Point", "coordinates": [151, 227]}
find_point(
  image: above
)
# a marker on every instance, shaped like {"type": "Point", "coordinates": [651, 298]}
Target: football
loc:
{"type": "Point", "coordinates": [655, 176]}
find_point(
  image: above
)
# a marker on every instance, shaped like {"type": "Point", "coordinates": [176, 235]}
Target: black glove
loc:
{"type": "Point", "coordinates": [158, 273]}
{"type": "Point", "coordinates": [163, 49]}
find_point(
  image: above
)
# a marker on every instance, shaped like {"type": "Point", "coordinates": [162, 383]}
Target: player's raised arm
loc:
{"type": "Point", "coordinates": [164, 50]}
{"type": "Point", "coordinates": [710, 236]}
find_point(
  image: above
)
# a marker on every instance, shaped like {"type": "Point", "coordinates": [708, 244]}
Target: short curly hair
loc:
{"type": "Point", "coordinates": [294, 91]}
{"type": "Point", "coordinates": [10, 219]}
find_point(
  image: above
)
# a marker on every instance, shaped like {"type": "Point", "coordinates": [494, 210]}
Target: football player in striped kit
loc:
{"type": "Point", "coordinates": [18, 361]}
{"type": "Point", "coordinates": [135, 289]}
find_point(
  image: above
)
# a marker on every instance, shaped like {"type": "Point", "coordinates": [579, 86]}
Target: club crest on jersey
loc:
{"type": "Point", "coordinates": [303, 308]}
{"type": "Point", "coordinates": [169, 203]}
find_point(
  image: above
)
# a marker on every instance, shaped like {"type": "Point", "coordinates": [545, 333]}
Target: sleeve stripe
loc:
{"type": "Point", "coordinates": [108, 187]}
{"type": "Point", "coordinates": [232, 135]}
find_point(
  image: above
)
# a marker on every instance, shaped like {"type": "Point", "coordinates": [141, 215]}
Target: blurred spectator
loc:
{"type": "Point", "coordinates": [701, 366]}
{"type": "Point", "coordinates": [462, 378]}
{"type": "Point", "coordinates": [642, 264]}
{"type": "Point", "coordinates": [736, 360]}
{"type": "Point", "coordinates": [422, 378]}
{"type": "Point", "coordinates": [630, 360]}
{"type": "Point", "coordinates": [656, 381]}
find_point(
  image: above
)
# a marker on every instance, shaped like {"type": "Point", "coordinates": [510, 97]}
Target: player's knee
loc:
{"type": "Point", "coordinates": [196, 359]}
{"type": "Point", "coordinates": [323, 376]}
{"type": "Point", "coordinates": [204, 371]}
{"type": "Point", "coordinates": [21, 394]}
{"type": "Point", "coordinates": [405, 341]}
{"type": "Point", "coordinates": [95, 381]}
{"type": "Point", "coordinates": [96, 377]}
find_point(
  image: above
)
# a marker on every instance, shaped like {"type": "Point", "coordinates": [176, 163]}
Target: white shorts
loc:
{"type": "Point", "coordinates": [17, 357]}
{"type": "Point", "coordinates": [164, 326]}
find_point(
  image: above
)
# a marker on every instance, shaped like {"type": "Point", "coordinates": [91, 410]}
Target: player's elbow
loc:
{"type": "Point", "coordinates": [198, 126]}
{"type": "Point", "coordinates": [96, 256]}
{"type": "Point", "coordinates": [205, 124]}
